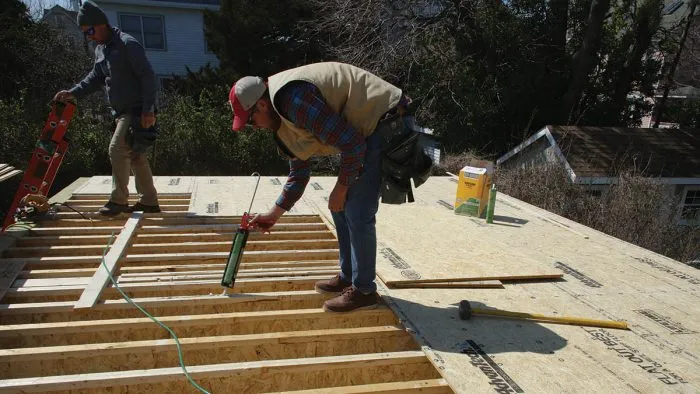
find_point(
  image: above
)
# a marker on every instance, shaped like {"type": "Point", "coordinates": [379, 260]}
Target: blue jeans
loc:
{"type": "Point", "coordinates": [355, 225]}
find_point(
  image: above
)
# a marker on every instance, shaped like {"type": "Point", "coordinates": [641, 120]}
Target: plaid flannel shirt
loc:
{"type": "Point", "coordinates": [303, 104]}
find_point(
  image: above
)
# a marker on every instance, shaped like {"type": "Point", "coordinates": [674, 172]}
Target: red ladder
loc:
{"type": "Point", "coordinates": [46, 159]}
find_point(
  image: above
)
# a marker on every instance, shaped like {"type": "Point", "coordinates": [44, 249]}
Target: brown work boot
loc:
{"type": "Point", "coordinates": [144, 208]}
{"type": "Point", "coordinates": [113, 209]}
{"type": "Point", "coordinates": [351, 300]}
{"type": "Point", "coordinates": [331, 286]}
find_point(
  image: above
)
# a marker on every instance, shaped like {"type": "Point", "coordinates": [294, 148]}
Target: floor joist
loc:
{"type": "Point", "coordinates": [429, 386]}
{"type": "Point", "coordinates": [362, 368]}
{"type": "Point", "coordinates": [140, 328]}
{"type": "Point", "coordinates": [267, 334]}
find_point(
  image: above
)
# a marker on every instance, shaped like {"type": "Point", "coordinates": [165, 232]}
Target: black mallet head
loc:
{"type": "Point", "coordinates": [465, 310]}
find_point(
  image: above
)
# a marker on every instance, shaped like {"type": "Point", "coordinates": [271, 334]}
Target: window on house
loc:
{"type": "Point", "coordinates": [147, 29]}
{"type": "Point", "coordinates": [206, 43]}
{"type": "Point", "coordinates": [166, 83]}
{"type": "Point", "coordinates": [673, 7]}
{"type": "Point", "coordinates": [690, 212]}
{"type": "Point", "coordinates": [206, 46]}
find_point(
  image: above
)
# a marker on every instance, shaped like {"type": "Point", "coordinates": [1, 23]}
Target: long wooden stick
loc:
{"type": "Point", "coordinates": [93, 290]}
{"type": "Point", "coordinates": [398, 283]}
{"type": "Point", "coordinates": [486, 284]}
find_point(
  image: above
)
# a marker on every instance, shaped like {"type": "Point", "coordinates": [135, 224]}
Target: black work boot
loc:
{"type": "Point", "coordinates": [144, 208]}
{"type": "Point", "coordinates": [113, 209]}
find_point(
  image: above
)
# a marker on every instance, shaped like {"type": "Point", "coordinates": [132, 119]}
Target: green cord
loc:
{"type": "Point", "coordinates": [130, 301]}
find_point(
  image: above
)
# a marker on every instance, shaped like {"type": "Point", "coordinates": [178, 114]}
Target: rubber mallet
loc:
{"type": "Point", "coordinates": [466, 312]}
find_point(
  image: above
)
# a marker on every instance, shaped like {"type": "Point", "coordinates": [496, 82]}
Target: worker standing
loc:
{"type": "Point", "coordinates": [318, 110]}
{"type": "Point", "coordinates": [122, 68]}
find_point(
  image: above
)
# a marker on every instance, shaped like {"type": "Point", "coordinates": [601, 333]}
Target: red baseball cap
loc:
{"type": "Point", "coordinates": [243, 96]}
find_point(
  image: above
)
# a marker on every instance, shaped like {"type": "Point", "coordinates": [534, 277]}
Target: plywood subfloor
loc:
{"type": "Point", "coordinates": [267, 334]}
{"type": "Point", "coordinates": [603, 278]}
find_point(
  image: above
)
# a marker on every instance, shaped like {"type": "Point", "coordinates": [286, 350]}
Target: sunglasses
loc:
{"type": "Point", "coordinates": [90, 31]}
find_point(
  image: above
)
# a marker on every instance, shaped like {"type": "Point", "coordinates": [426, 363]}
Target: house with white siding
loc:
{"type": "Point", "coordinates": [171, 31]}
{"type": "Point", "coordinates": [593, 157]}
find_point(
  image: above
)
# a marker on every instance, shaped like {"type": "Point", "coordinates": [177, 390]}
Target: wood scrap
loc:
{"type": "Point", "coordinates": [98, 282]}
{"type": "Point", "coordinates": [485, 284]}
{"type": "Point", "coordinates": [475, 280]}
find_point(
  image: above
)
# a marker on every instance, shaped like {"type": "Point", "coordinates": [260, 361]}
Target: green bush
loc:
{"type": "Point", "coordinates": [196, 139]}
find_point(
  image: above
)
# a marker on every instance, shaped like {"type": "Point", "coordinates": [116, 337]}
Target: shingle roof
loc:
{"type": "Point", "coordinates": [604, 151]}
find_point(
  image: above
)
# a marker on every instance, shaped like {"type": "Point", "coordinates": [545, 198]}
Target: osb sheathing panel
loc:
{"type": "Point", "coordinates": [218, 196]}
{"type": "Point", "coordinates": [604, 278]}
{"type": "Point", "coordinates": [102, 185]}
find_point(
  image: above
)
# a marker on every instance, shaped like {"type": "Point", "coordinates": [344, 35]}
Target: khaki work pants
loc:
{"type": "Point", "coordinates": [124, 162]}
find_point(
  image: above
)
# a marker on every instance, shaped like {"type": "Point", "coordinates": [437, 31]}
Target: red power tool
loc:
{"type": "Point", "coordinates": [46, 160]}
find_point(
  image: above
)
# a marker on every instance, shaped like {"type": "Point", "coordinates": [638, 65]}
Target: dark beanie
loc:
{"type": "Point", "coordinates": [91, 15]}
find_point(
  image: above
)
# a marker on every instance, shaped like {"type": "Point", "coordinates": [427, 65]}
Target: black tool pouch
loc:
{"type": "Point", "coordinates": [140, 139]}
{"type": "Point", "coordinates": [402, 160]}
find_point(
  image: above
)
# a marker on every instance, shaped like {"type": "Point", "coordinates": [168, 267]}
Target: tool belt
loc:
{"type": "Point", "coordinates": [138, 138]}
{"type": "Point", "coordinates": [403, 158]}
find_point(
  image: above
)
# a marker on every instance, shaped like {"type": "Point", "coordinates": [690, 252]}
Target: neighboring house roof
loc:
{"type": "Point", "coordinates": [597, 154]}
{"type": "Point", "coordinates": [209, 2]}
{"type": "Point", "coordinates": [675, 11]}
{"type": "Point", "coordinates": [57, 9]}
{"type": "Point", "coordinates": [191, 4]}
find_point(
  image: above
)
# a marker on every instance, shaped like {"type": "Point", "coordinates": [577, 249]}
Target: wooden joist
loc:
{"type": "Point", "coordinates": [361, 368]}
{"type": "Point", "coordinates": [428, 386]}
{"type": "Point", "coordinates": [268, 333]}
{"type": "Point", "coordinates": [210, 275]}
{"type": "Point", "coordinates": [8, 173]}
{"type": "Point", "coordinates": [93, 290]}
{"type": "Point", "coordinates": [98, 217]}
{"type": "Point", "coordinates": [94, 208]}
{"type": "Point", "coordinates": [255, 244]}
{"type": "Point", "coordinates": [103, 357]}
{"type": "Point", "coordinates": [161, 306]}
{"type": "Point", "coordinates": [303, 268]}
{"type": "Point", "coordinates": [245, 267]}
{"type": "Point", "coordinates": [170, 229]}
{"type": "Point", "coordinates": [227, 323]}
{"type": "Point", "coordinates": [171, 220]}
{"type": "Point", "coordinates": [108, 349]}
{"type": "Point", "coordinates": [105, 197]}
{"type": "Point", "coordinates": [173, 258]}
{"type": "Point", "coordinates": [101, 201]}
{"type": "Point", "coordinates": [8, 273]}
{"type": "Point", "coordinates": [169, 288]}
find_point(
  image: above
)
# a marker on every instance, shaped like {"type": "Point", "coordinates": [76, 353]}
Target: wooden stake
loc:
{"type": "Point", "coordinates": [101, 278]}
